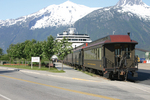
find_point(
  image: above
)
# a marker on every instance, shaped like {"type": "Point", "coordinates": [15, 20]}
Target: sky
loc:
{"type": "Point", "coordinates": [12, 9]}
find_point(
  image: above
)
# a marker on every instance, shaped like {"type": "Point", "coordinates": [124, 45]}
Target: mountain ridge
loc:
{"type": "Point", "coordinates": [97, 23]}
{"type": "Point", "coordinates": [130, 2]}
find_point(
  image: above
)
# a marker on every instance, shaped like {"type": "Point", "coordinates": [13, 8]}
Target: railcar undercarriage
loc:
{"type": "Point", "coordinates": [120, 71]}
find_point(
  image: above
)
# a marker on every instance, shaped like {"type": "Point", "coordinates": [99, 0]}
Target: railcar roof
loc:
{"type": "Point", "coordinates": [113, 39]}
{"type": "Point", "coordinates": [121, 38]}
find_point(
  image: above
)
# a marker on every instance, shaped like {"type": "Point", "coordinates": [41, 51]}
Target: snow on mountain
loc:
{"type": "Point", "coordinates": [137, 7]}
{"type": "Point", "coordinates": [66, 13]}
{"type": "Point", "coordinates": [63, 14]}
{"type": "Point", "coordinates": [130, 2]}
{"type": "Point", "coordinates": [10, 22]}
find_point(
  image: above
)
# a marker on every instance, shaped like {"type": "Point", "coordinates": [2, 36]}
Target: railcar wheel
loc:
{"type": "Point", "coordinates": [83, 68]}
{"type": "Point", "coordinates": [115, 75]}
{"type": "Point", "coordinates": [92, 70]}
{"type": "Point", "coordinates": [122, 77]}
{"type": "Point", "coordinates": [79, 67]}
{"type": "Point", "coordinates": [108, 75]}
{"type": "Point", "coordinates": [86, 69]}
{"type": "Point", "coordinates": [100, 72]}
{"type": "Point", "coordinates": [111, 75]}
{"type": "Point", "coordinates": [76, 67]}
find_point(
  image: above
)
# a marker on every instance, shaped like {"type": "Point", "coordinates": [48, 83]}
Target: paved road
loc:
{"type": "Point", "coordinates": [143, 74]}
{"type": "Point", "coordinates": [72, 85]}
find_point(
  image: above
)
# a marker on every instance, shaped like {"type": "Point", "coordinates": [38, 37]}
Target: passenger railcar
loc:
{"type": "Point", "coordinates": [111, 56]}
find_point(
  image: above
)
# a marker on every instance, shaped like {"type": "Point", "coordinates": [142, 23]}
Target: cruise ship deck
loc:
{"type": "Point", "coordinates": [74, 37]}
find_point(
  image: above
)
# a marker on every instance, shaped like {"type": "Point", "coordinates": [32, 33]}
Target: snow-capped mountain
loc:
{"type": "Point", "coordinates": [63, 14]}
{"type": "Point", "coordinates": [137, 7]}
{"type": "Point", "coordinates": [66, 13]}
{"type": "Point", "coordinates": [126, 16]}
{"type": "Point", "coordinates": [132, 7]}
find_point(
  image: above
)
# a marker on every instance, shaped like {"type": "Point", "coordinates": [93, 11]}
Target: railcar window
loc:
{"type": "Point", "coordinates": [100, 56]}
{"type": "Point", "coordinates": [128, 51]}
{"type": "Point", "coordinates": [94, 54]}
{"type": "Point", "coordinates": [118, 51]}
{"type": "Point", "coordinates": [97, 53]}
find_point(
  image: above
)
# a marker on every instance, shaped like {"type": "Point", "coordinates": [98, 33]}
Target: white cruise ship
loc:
{"type": "Point", "coordinates": [74, 37]}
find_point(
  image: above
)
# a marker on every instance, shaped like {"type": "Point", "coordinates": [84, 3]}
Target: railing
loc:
{"type": "Point", "coordinates": [122, 63]}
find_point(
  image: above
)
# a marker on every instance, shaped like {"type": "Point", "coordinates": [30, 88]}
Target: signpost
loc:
{"type": "Point", "coordinates": [35, 59]}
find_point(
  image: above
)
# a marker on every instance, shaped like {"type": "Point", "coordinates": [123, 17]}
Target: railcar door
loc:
{"type": "Point", "coordinates": [118, 54]}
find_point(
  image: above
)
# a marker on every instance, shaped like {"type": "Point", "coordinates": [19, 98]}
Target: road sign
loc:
{"type": "Point", "coordinates": [35, 59]}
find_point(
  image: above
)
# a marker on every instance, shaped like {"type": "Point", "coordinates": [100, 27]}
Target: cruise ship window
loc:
{"type": "Point", "coordinates": [74, 39]}
{"type": "Point", "coordinates": [84, 39]}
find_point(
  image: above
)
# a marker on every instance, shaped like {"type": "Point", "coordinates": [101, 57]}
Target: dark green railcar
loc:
{"type": "Point", "coordinates": [111, 56]}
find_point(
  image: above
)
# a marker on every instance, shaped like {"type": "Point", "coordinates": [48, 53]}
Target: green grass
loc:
{"type": "Point", "coordinates": [43, 68]}
{"type": "Point", "coordinates": [91, 74]}
{"type": "Point", "coordinates": [88, 73]}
